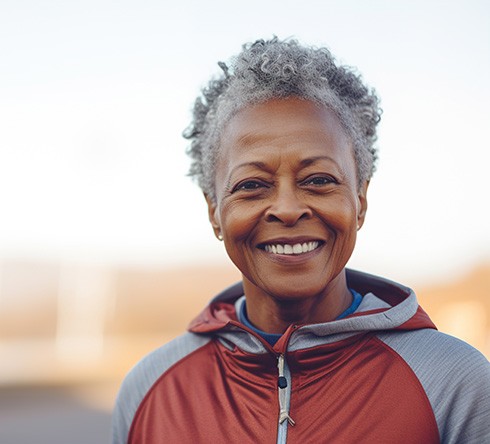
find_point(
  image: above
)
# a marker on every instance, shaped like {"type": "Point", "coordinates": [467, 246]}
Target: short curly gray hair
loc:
{"type": "Point", "coordinates": [271, 69]}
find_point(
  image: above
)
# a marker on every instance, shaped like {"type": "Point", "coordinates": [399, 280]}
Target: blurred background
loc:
{"type": "Point", "coordinates": [105, 247]}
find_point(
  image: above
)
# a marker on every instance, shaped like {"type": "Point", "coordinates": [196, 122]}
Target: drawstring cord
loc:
{"type": "Point", "coordinates": [282, 384]}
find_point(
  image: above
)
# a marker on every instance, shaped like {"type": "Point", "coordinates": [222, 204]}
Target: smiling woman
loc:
{"type": "Point", "coordinates": [286, 178]}
{"type": "Point", "coordinates": [303, 349]}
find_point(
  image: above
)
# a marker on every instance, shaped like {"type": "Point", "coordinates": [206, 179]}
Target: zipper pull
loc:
{"type": "Point", "coordinates": [282, 384]}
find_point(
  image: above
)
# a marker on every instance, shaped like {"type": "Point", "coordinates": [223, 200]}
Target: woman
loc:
{"type": "Point", "coordinates": [303, 350]}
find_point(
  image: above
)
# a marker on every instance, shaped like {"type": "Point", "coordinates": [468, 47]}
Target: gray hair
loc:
{"type": "Point", "coordinates": [273, 69]}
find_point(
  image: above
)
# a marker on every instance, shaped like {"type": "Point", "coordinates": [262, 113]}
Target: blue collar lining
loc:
{"type": "Point", "coordinates": [272, 338]}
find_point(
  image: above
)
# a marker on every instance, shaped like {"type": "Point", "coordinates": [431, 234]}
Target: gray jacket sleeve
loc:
{"type": "Point", "coordinates": [142, 378]}
{"type": "Point", "coordinates": [456, 379]}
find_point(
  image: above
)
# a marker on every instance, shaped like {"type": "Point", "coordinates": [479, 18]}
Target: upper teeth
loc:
{"type": "Point", "coordinates": [291, 249]}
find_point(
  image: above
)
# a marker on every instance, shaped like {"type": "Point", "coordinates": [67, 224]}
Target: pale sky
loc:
{"type": "Point", "coordinates": [94, 96]}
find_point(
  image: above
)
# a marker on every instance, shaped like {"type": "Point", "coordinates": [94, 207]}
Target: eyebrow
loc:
{"type": "Point", "coordinates": [303, 163]}
{"type": "Point", "coordinates": [312, 160]}
{"type": "Point", "coordinates": [257, 164]}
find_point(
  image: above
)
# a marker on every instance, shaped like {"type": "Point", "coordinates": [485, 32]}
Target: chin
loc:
{"type": "Point", "coordinates": [295, 291]}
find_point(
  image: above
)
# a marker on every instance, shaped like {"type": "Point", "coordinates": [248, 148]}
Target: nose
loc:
{"type": "Point", "coordinates": [287, 207]}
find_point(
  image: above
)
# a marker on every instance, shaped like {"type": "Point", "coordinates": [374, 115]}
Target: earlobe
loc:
{"type": "Point", "coordinates": [213, 216]}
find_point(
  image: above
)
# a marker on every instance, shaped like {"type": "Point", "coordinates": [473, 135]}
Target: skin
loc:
{"type": "Point", "coordinates": [286, 174]}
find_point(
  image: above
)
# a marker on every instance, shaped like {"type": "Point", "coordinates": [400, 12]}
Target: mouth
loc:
{"type": "Point", "coordinates": [295, 249]}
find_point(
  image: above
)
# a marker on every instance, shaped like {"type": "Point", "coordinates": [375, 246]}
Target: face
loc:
{"type": "Point", "coordinates": [287, 201]}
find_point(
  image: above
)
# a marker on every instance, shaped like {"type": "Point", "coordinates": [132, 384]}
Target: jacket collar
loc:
{"type": "Point", "coordinates": [386, 305]}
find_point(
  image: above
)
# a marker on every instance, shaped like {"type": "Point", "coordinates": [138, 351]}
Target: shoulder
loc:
{"type": "Point", "coordinates": [436, 351]}
{"type": "Point", "coordinates": [143, 376]}
{"type": "Point", "coordinates": [152, 366]}
{"type": "Point", "coordinates": [455, 377]}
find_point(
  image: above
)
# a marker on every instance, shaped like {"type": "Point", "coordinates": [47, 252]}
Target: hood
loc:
{"type": "Point", "coordinates": [386, 305]}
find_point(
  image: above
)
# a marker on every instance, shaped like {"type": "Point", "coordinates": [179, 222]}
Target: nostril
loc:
{"type": "Point", "coordinates": [305, 215]}
{"type": "Point", "coordinates": [288, 216]}
{"type": "Point", "coordinates": [287, 206]}
{"type": "Point", "coordinates": [272, 218]}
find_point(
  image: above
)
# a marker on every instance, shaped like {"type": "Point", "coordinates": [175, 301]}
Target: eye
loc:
{"type": "Point", "coordinates": [319, 181]}
{"type": "Point", "coordinates": [248, 185]}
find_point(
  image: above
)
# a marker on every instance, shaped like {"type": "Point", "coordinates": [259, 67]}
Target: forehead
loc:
{"type": "Point", "coordinates": [292, 126]}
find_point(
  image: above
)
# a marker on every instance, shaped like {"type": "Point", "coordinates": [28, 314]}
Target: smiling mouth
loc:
{"type": "Point", "coordinates": [292, 249]}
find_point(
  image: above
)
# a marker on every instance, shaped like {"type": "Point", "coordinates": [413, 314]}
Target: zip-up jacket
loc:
{"type": "Point", "coordinates": [381, 375]}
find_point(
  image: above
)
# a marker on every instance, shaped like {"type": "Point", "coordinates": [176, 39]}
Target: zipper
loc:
{"type": "Point", "coordinates": [282, 384]}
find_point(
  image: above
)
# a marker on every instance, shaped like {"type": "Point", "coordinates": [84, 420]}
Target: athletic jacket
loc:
{"type": "Point", "coordinates": [382, 375]}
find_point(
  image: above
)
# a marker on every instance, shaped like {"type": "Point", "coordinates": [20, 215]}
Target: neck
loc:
{"type": "Point", "coordinates": [275, 313]}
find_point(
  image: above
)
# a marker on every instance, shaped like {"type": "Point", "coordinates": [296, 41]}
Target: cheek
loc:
{"type": "Point", "coordinates": [342, 215]}
{"type": "Point", "coordinates": [237, 221]}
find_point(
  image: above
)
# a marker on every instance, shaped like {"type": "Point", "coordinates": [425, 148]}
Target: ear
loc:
{"type": "Point", "coordinates": [213, 216]}
{"type": "Point", "coordinates": [362, 204]}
